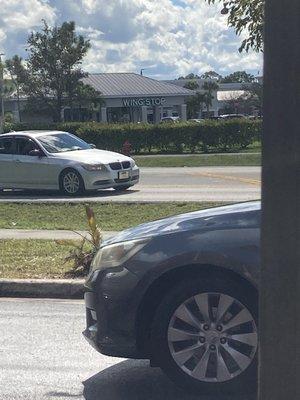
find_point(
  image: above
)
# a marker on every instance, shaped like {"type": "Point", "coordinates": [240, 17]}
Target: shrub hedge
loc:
{"type": "Point", "coordinates": [209, 136]}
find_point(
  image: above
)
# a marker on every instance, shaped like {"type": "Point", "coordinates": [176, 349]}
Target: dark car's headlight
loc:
{"type": "Point", "coordinates": [116, 254]}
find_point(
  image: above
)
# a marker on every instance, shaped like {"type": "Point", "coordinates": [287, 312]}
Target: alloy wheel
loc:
{"type": "Point", "coordinates": [212, 337]}
{"type": "Point", "coordinates": [71, 182]}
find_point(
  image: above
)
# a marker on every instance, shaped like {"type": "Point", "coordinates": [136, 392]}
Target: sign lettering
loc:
{"type": "Point", "coordinates": [144, 101]}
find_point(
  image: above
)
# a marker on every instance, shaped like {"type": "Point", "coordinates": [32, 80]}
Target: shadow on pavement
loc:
{"type": "Point", "coordinates": [136, 380]}
{"type": "Point", "coordinates": [46, 194]}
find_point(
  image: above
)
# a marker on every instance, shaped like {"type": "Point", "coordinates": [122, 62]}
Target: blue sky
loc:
{"type": "Point", "coordinates": [167, 37]}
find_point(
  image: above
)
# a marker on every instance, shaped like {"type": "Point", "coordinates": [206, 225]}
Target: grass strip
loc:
{"type": "Point", "coordinates": [110, 216]}
{"type": "Point", "coordinates": [34, 259]}
{"type": "Point", "coordinates": [201, 160]}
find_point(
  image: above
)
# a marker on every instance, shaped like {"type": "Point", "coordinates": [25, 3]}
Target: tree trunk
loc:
{"type": "Point", "coordinates": [18, 103]}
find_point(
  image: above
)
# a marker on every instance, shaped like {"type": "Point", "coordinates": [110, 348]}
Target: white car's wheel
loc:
{"type": "Point", "coordinates": [206, 333]}
{"type": "Point", "coordinates": [71, 182]}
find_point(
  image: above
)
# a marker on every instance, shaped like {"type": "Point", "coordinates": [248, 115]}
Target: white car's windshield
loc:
{"type": "Point", "coordinates": [62, 142]}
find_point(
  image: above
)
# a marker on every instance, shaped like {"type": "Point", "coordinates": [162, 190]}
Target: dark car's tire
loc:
{"type": "Point", "coordinates": [196, 370]}
{"type": "Point", "coordinates": [123, 187]}
{"type": "Point", "coordinates": [71, 182]}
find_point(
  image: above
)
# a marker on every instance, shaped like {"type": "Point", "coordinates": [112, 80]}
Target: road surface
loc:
{"type": "Point", "coordinates": [168, 184]}
{"type": "Point", "coordinates": [44, 356]}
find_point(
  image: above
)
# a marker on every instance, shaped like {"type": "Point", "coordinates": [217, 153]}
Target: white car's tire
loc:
{"type": "Point", "coordinates": [71, 182]}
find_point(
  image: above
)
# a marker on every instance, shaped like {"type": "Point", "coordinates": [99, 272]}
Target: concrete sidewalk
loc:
{"type": "Point", "coordinates": [20, 234]}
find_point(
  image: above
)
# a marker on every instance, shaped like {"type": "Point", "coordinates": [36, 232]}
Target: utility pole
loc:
{"type": "Point", "coordinates": [1, 96]}
{"type": "Point", "coordinates": [280, 275]}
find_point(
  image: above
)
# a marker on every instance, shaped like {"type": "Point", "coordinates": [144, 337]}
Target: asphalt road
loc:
{"type": "Point", "coordinates": [168, 184]}
{"type": "Point", "coordinates": [44, 356]}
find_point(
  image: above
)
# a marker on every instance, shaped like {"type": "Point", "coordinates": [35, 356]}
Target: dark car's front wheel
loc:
{"type": "Point", "coordinates": [71, 182]}
{"type": "Point", "coordinates": [204, 336]}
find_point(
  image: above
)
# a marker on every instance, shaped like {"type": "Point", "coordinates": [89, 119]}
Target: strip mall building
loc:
{"type": "Point", "coordinates": [128, 97]}
{"type": "Point", "coordinates": [136, 98]}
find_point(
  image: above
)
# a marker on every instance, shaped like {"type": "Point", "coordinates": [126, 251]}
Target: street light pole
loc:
{"type": "Point", "coordinates": [1, 96]}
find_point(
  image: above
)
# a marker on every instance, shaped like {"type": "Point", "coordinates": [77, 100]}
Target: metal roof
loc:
{"type": "Point", "coordinates": [222, 86]}
{"type": "Point", "coordinates": [132, 85]}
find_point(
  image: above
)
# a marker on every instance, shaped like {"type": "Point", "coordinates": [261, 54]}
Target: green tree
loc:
{"type": "Point", "coordinates": [246, 16]}
{"type": "Point", "coordinates": [238, 77]}
{"type": "Point", "coordinates": [84, 96]}
{"type": "Point", "coordinates": [212, 75]}
{"type": "Point", "coordinates": [54, 67]}
{"type": "Point", "coordinates": [18, 76]}
{"type": "Point", "coordinates": [209, 87]}
{"type": "Point", "coordinates": [190, 76]}
{"type": "Point", "coordinates": [192, 85]}
{"type": "Point", "coordinates": [254, 96]}
{"type": "Point", "coordinates": [195, 105]}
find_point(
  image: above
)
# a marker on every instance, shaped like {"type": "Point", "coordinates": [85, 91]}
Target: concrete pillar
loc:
{"type": "Point", "coordinates": [280, 271]}
{"type": "Point", "coordinates": [144, 114]}
{"type": "Point", "coordinates": [103, 114]}
{"type": "Point", "coordinates": [157, 116]}
{"type": "Point", "coordinates": [183, 113]}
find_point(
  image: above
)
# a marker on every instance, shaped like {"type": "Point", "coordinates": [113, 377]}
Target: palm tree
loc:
{"type": "Point", "coordinates": [209, 87]}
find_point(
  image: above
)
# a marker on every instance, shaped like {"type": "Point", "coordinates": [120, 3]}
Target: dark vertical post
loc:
{"type": "Point", "coordinates": [280, 278]}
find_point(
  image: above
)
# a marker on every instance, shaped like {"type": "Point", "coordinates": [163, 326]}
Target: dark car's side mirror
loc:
{"type": "Point", "coordinates": [36, 153]}
{"type": "Point", "coordinates": [92, 145]}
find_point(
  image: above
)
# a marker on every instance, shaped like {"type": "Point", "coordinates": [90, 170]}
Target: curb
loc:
{"type": "Point", "coordinates": [42, 288]}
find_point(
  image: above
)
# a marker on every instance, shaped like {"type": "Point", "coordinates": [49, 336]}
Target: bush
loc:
{"type": "Point", "coordinates": [209, 136]}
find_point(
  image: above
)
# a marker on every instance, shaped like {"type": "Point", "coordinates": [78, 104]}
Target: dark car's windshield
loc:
{"type": "Point", "coordinates": [62, 142]}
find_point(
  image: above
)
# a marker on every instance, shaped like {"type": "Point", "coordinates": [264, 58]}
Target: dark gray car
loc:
{"type": "Point", "coordinates": [182, 292]}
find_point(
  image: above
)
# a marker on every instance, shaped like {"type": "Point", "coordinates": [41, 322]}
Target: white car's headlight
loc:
{"type": "Point", "coordinates": [93, 167]}
{"type": "Point", "coordinates": [116, 254]}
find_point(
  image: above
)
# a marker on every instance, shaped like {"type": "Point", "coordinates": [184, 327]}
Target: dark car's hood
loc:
{"type": "Point", "coordinates": [183, 222]}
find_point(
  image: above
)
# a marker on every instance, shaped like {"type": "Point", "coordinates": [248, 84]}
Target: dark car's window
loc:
{"type": "Point", "coordinates": [62, 142]}
{"type": "Point", "coordinates": [7, 145]}
{"type": "Point", "coordinates": [25, 146]}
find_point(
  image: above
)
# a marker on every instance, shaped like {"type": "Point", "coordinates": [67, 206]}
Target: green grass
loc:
{"type": "Point", "coordinates": [21, 259]}
{"type": "Point", "coordinates": [201, 160]}
{"type": "Point", "coordinates": [110, 216]}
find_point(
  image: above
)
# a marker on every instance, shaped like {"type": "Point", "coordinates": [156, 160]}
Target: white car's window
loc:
{"type": "Point", "coordinates": [25, 146]}
{"type": "Point", "coordinates": [62, 142]}
{"type": "Point", "coordinates": [7, 146]}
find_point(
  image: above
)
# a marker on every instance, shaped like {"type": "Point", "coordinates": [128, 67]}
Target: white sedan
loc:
{"type": "Point", "coordinates": [60, 160]}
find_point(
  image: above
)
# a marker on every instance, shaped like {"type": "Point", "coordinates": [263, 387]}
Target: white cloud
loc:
{"type": "Point", "coordinates": [18, 14]}
{"type": "Point", "coordinates": [170, 37]}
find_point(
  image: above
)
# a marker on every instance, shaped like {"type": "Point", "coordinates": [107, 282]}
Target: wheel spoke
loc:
{"type": "Point", "coordinates": [242, 317]}
{"type": "Point", "coordinates": [177, 335]}
{"type": "Point", "coordinates": [182, 356]}
{"type": "Point", "coordinates": [248, 338]}
{"type": "Point", "coordinates": [223, 373]}
{"type": "Point", "coordinates": [202, 302]}
{"type": "Point", "coordinates": [241, 359]}
{"type": "Point", "coordinates": [185, 315]}
{"type": "Point", "coordinates": [224, 303]}
{"type": "Point", "coordinates": [201, 369]}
